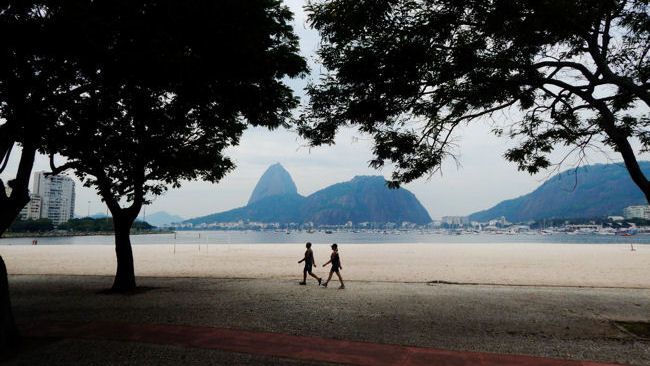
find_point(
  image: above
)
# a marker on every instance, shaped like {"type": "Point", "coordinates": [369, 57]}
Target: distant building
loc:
{"type": "Point", "coordinates": [455, 220]}
{"type": "Point", "coordinates": [57, 193]}
{"type": "Point", "coordinates": [32, 210]}
{"type": "Point", "coordinates": [637, 212]}
{"type": "Point", "coordinates": [500, 221]}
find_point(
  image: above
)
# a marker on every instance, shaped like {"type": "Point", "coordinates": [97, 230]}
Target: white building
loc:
{"type": "Point", "coordinates": [32, 210]}
{"type": "Point", "coordinates": [455, 220]}
{"type": "Point", "coordinates": [57, 194]}
{"type": "Point", "coordinates": [637, 212]}
{"type": "Point", "coordinates": [502, 221]}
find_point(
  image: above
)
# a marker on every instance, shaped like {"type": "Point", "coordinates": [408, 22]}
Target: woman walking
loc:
{"type": "Point", "coordinates": [336, 266]}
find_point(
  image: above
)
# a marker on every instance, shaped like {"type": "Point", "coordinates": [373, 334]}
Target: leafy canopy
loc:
{"type": "Point", "coordinates": [408, 72]}
{"type": "Point", "coordinates": [168, 86]}
{"type": "Point", "coordinates": [34, 80]}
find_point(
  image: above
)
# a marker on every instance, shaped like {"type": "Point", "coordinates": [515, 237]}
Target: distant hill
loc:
{"type": "Point", "coordinates": [162, 218]}
{"type": "Point", "coordinates": [98, 215]}
{"type": "Point", "coordinates": [363, 199]}
{"type": "Point", "coordinates": [279, 208]}
{"type": "Point", "coordinates": [591, 191]}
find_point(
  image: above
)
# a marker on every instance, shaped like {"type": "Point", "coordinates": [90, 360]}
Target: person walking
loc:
{"type": "Point", "coordinates": [336, 266]}
{"type": "Point", "coordinates": [309, 262]}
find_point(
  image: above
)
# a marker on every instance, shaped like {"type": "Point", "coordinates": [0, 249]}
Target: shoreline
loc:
{"type": "Point", "coordinates": [11, 235]}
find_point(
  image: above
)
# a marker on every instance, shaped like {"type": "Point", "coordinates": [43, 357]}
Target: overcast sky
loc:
{"type": "Point", "coordinates": [483, 179]}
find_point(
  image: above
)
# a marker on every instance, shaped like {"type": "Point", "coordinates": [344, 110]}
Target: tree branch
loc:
{"type": "Point", "coordinates": [5, 157]}
{"type": "Point", "coordinates": [609, 76]}
{"type": "Point", "coordinates": [58, 170]}
{"type": "Point", "coordinates": [574, 65]}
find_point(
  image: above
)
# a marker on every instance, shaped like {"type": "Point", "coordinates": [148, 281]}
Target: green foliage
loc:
{"type": "Point", "coordinates": [34, 81]}
{"type": "Point", "coordinates": [638, 222]}
{"type": "Point", "coordinates": [409, 72]}
{"type": "Point", "coordinates": [168, 86]}
{"type": "Point", "coordinates": [88, 224]}
{"type": "Point", "coordinates": [31, 226]}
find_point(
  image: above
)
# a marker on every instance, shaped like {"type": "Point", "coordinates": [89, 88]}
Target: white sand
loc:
{"type": "Point", "coordinates": [598, 265]}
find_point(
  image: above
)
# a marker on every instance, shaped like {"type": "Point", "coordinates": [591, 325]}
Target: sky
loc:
{"type": "Point", "coordinates": [483, 178]}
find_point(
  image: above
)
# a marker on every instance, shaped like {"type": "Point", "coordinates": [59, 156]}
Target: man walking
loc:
{"type": "Point", "coordinates": [309, 262]}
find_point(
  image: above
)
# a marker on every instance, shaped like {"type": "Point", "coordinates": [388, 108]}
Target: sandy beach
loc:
{"type": "Point", "coordinates": [597, 265]}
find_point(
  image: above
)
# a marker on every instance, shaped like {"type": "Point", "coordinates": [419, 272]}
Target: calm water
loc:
{"type": "Point", "coordinates": [241, 237]}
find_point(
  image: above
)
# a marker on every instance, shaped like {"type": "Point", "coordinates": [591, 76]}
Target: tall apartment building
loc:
{"type": "Point", "coordinates": [32, 210]}
{"type": "Point", "coordinates": [57, 194]}
{"type": "Point", "coordinates": [641, 212]}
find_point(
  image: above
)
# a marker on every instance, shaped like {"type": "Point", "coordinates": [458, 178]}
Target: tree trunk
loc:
{"type": "Point", "coordinates": [10, 207]}
{"type": "Point", "coordinates": [125, 275]}
{"type": "Point", "coordinates": [9, 336]}
{"type": "Point", "coordinates": [633, 167]}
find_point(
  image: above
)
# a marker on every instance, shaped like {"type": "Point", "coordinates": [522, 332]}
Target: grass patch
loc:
{"type": "Point", "coordinates": [639, 329]}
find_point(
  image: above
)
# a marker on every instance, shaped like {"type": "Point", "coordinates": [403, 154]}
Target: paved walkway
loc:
{"type": "Point", "coordinates": [281, 345]}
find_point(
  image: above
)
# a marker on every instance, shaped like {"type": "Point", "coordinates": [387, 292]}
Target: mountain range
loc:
{"type": "Point", "coordinates": [362, 199]}
{"type": "Point", "coordinates": [161, 218]}
{"type": "Point", "coordinates": [589, 191]}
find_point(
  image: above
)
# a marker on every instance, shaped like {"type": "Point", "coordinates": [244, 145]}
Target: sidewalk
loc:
{"type": "Point", "coordinates": [280, 345]}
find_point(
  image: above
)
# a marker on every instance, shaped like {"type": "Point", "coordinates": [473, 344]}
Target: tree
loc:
{"type": "Point", "coordinates": [408, 72]}
{"type": "Point", "coordinates": [33, 81]}
{"type": "Point", "coordinates": [30, 226]}
{"type": "Point", "coordinates": [168, 87]}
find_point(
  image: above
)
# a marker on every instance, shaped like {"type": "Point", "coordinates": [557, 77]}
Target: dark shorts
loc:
{"type": "Point", "coordinates": [307, 267]}
{"type": "Point", "coordinates": [334, 269]}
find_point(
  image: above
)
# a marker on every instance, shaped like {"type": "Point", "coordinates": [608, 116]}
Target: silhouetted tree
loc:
{"type": "Point", "coordinates": [408, 72]}
{"type": "Point", "coordinates": [34, 79]}
{"type": "Point", "coordinates": [165, 86]}
{"type": "Point", "coordinates": [169, 85]}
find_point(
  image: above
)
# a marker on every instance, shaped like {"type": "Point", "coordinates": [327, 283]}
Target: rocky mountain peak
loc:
{"type": "Point", "coordinates": [275, 181]}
